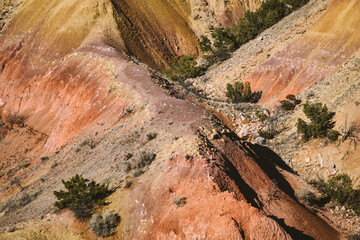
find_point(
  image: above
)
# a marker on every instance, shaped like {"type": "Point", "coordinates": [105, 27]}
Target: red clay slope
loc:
{"type": "Point", "coordinates": [311, 56]}
{"type": "Point", "coordinates": [60, 68]}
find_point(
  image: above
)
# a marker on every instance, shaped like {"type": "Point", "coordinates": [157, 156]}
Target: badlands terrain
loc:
{"type": "Point", "coordinates": [86, 78]}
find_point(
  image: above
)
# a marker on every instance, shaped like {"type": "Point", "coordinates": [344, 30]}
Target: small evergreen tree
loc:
{"type": "Point", "coordinates": [321, 122]}
{"type": "Point", "coordinates": [248, 27]}
{"type": "Point", "coordinates": [290, 103]}
{"type": "Point", "coordinates": [81, 196]}
{"type": "Point", "coordinates": [339, 188]}
{"type": "Point", "coordinates": [205, 45]}
{"type": "Point", "coordinates": [224, 38]}
{"type": "Point", "coordinates": [183, 68]}
{"type": "Point", "coordinates": [241, 92]}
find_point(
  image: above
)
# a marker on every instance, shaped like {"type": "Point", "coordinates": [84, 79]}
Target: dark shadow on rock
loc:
{"type": "Point", "coordinates": [268, 155]}
{"type": "Point", "coordinates": [293, 232]}
{"type": "Point", "coordinates": [229, 175]}
{"type": "Point", "coordinates": [267, 160]}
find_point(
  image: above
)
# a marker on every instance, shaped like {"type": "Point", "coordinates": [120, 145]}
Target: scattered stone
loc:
{"type": "Point", "coordinates": [307, 160]}
{"type": "Point", "coordinates": [260, 141]}
{"type": "Point", "coordinates": [243, 133]}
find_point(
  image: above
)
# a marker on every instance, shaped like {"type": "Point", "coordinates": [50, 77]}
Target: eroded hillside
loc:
{"type": "Point", "coordinates": [89, 108]}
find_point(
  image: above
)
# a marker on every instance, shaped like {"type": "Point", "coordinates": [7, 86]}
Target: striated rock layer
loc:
{"type": "Point", "coordinates": [64, 66]}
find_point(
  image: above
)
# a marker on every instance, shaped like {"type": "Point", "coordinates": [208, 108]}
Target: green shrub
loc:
{"type": "Point", "coordinates": [287, 105]}
{"type": "Point", "coordinates": [290, 103]}
{"type": "Point", "coordinates": [266, 134]}
{"type": "Point", "coordinates": [183, 68]}
{"type": "Point", "coordinates": [321, 122]}
{"type": "Point", "coordinates": [205, 45]}
{"type": "Point", "coordinates": [224, 38]}
{"type": "Point", "coordinates": [81, 196]}
{"type": "Point", "coordinates": [241, 92]}
{"type": "Point", "coordinates": [261, 116]}
{"type": "Point", "coordinates": [291, 97]}
{"type": "Point", "coordinates": [340, 189]}
{"type": "Point", "coordinates": [272, 11]}
{"type": "Point", "coordinates": [303, 128]}
{"type": "Point", "coordinates": [180, 201]}
{"type": "Point", "coordinates": [333, 135]}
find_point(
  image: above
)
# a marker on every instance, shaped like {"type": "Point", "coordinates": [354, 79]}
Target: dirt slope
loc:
{"type": "Point", "coordinates": [64, 67]}
{"type": "Point", "coordinates": [311, 56]}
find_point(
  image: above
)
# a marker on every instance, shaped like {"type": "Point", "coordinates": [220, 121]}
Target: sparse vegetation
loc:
{"type": "Point", "coordinates": [240, 92]}
{"type": "Point", "coordinates": [353, 236]}
{"type": "Point", "coordinates": [267, 134]}
{"type": "Point", "coordinates": [205, 45]}
{"type": "Point", "coordinates": [145, 159]}
{"type": "Point", "coordinates": [290, 103]}
{"type": "Point", "coordinates": [180, 201]}
{"type": "Point", "coordinates": [3, 129]}
{"type": "Point", "coordinates": [81, 196]}
{"type": "Point", "coordinates": [151, 135]}
{"type": "Point", "coordinates": [321, 123]}
{"type": "Point", "coordinates": [351, 133]}
{"type": "Point", "coordinates": [15, 118]}
{"type": "Point", "coordinates": [12, 204]}
{"type": "Point", "coordinates": [128, 155]}
{"type": "Point", "coordinates": [340, 189]}
{"type": "Point", "coordinates": [104, 225]}
{"type": "Point", "coordinates": [183, 68]}
{"type": "Point", "coordinates": [248, 27]}
{"type": "Point", "coordinates": [306, 197]}
{"type": "Point", "coordinates": [333, 135]}
{"type": "Point", "coordinates": [261, 116]}
{"type": "Point", "coordinates": [88, 142]}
